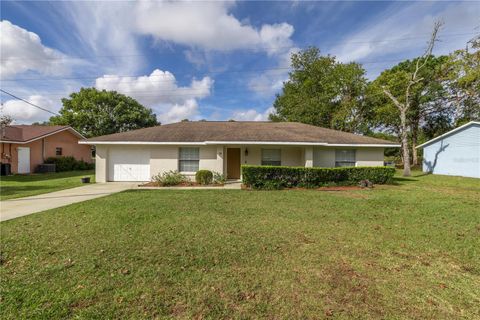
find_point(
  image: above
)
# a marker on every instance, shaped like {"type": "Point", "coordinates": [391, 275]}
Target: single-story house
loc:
{"type": "Point", "coordinates": [25, 147]}
{"type": "Point", "coordinates": [455, 153]}
{"type": "Point", "coordinates": [222, 146]}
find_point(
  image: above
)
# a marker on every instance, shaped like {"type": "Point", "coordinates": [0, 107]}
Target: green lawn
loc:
{"type": "Point", "coordinates": [406, 251]}
{"type": "Point", "coordinates": [18, 186]}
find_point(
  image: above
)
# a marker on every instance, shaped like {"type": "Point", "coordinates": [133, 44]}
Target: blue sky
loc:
{"type": "Point", "coordinates": [204, 60]}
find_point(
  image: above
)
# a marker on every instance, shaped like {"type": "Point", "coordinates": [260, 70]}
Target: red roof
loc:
{"type": "Point", "coordinates": [25, 133]}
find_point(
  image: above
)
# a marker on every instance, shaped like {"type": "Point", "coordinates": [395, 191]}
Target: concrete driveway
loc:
{"type": "Point", "coordinates": [14, 208]}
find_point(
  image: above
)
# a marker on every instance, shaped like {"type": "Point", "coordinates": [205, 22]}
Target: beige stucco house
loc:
{"type": "Point", "coordinates": [223, 146]}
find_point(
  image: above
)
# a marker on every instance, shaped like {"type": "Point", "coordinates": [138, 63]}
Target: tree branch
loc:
{"type": "Point", "coordinates": [397, 103]}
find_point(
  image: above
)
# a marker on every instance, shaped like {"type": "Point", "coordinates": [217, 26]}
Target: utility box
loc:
{"type": "Point", "coordinates": [6, 169]}
{"type": "Point", "coordinates": [45, 168]}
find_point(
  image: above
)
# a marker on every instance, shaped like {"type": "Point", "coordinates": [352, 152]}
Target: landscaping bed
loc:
{"type": "Point", "coordinates": [154, 184]}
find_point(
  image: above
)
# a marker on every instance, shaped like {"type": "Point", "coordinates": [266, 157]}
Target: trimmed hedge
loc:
{"type": "Point", "coordinates": [204, 177]}
{"type": "Point", "coordinates": [276, 177]}
{"type": "Point", "coordinates": [69, 164]}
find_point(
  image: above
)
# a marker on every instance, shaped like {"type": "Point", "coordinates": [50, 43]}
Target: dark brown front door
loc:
{"type": "Point", "coordinates": [233, 163]}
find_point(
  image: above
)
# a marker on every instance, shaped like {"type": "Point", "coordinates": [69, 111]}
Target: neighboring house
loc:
{"type": "Point", "coordinates": [455, 153]}
{"type": "Point", "coordinates": [24, 147]}
{"type": "Point", "coordinates": [223, 146]}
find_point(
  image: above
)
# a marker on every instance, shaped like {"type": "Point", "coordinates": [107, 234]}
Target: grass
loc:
{"type": "Point", "coordinates": [411, 250]}
{"type": "Point", "coordinates": [18, 186]}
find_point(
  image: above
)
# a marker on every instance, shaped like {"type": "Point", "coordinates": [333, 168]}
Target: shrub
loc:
{"type": "Point", "coordinates": [169, 178]}
{"type": "Point", "coordinates": [219, 178]}
{"type": "Point", "coordinates": [204, 177]}
{"type": "Point", "coordinates": [276, 177]}
{"type": "Point", "coordinates": [69, 164]}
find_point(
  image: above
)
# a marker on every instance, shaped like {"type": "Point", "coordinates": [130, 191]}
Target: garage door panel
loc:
{"type": "Point", "coordinates": [129, 165]}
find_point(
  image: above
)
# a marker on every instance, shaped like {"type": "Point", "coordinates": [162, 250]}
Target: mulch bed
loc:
{"type": "Point", "coordinates": [333, 188]}
{"type": "Point", "coordinates": [184, 184]}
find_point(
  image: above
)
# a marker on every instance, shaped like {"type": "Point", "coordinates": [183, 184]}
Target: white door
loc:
{"type": "Point", "coordinates": [128, 165]}
{"type": "Point", "coordinates": [23, 159]}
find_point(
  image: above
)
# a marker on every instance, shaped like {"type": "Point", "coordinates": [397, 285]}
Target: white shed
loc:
{"type": "Point", "coordinates": [455, 153]}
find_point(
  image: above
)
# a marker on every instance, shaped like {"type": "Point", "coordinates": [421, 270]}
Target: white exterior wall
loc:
{"type": "Point", "coordinates": [163, 159]}
{"type": "Point", "coordinates": [369, 157]}
{"type": "Point", "coordinates": [213, 158]}
{"type": "Point", "coordinates": [290, 156]}
{"type": "Point", "coordinates": [457, 154]}
{"type": "Point", "coordinates": [364, 157]}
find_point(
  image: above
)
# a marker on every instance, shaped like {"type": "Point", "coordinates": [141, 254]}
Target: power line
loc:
{"type": "Point", "coordinates": [256, 49]}
{"type": "Point", "coordinates": [176, 74]}
{"type": "Point", "coordinates": [28, 102]}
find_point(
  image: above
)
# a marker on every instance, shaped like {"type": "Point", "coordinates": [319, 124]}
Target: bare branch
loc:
{"type": "Point", "coordinates": [424, 58]}
{"type": "Point", "coordinates": [397, 103]}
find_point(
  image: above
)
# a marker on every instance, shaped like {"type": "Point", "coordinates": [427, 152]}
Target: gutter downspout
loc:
{"type": "Point", "coordinates": [43, 149]}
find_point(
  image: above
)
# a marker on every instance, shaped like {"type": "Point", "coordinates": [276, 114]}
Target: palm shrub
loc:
{"type": "Point", "coordinates": [219, 178]}
{"type": "Point", "coordinates": [169, 178]}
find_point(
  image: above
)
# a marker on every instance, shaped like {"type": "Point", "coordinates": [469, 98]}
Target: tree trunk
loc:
{"type": "Point", "coordinates": [414, 144]}
{"type": "Point", "coordinates": [405, 149]}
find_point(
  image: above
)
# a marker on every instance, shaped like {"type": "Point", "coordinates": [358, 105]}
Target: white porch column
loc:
{"type": "Point", "coordinates": [308, 157]}
{"type": "Point", "coordinates": [101, 163]}
{"type": "Point", "coordinates": [220, 157]}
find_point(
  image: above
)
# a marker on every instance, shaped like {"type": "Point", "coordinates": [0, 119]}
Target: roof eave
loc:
{"type": "Point", "coordinates": [75, 132]}
{"type": "Point", "coordinates": [447, 134]}
{"type": "Point", "coordinates": [371, 145]}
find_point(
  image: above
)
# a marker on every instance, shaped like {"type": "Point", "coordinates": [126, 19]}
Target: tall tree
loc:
{"type": "Point", "coordinates": [427, 99]}
{"type": "Point", "coordinates": [404, 102]}
{"type": "Point", "coordinates": [323, 92]}
{"type": "Point", "coordinates": [462, 78]}
{"type": "Point", "coordinates": [93, 113]}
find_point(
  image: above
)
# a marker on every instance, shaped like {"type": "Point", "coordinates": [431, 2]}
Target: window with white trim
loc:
{"type": "Point", "coordinates": [271, 157]}
{"type": "Point", "coordinates": [345, 158]}
{"type": "Point", "coordinates": [188, 159]}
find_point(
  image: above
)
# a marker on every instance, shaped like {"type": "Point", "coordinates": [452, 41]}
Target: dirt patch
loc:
{"type": "Point", "coordinates": [351, 292]}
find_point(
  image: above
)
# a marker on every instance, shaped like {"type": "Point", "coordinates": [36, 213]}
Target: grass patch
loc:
{"type": "Point", "coordinates": [18, 186]}
{"type": "Point", "coordinates": [400, 251]}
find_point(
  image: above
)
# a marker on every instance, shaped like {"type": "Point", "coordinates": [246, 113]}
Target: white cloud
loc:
{"type": "Point", "coordinates": [177, 112]}
{"type": "Point", "coordinates": [105, 32]}
{"type": "Point", "coordinates": [252, 115]}
{"type": "Point", "coordinates": [207, 25]}
{"type": "Point", "coordinates": [160, 91]}
{"type": "Point", "coordinates": [410, 23]}
{"type": "Point", "coordinates": [22, 112]}
{"type": "Point", "coordinates": [22, 51]}
{"type": "Point", "coordinates": [271, 81]}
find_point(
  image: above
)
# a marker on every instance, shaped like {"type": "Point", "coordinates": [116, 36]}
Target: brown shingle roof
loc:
{"type": "Point", "coordinates": [23, 133]}
{"type": "Point", "coordinates": [248, 131]}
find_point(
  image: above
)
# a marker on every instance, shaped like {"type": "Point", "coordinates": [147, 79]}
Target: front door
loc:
{"type": "Point", "coordinates": [233, 163]}
{"type": "Point", "coordinates": [23, 160]}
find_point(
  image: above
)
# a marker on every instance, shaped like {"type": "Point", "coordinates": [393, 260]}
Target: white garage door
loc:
{"type": "Point", "coordinates": [129, 165]}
